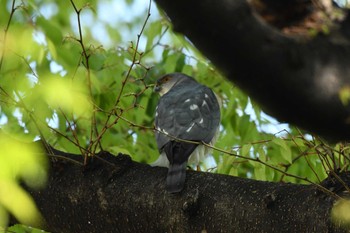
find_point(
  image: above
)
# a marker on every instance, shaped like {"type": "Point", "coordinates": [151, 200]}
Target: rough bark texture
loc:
{"type": "Point", "coordinates": [115, 194]}
{"type": "Point", "coordinates": [296, 81]}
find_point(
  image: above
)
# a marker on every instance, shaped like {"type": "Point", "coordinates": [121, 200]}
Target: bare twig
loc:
{"type": "Point", "coordinates": [73, 130]}
{"type": "Point", "coordinates": [86, 56]}
{"type": "Point", "coordinates": [13, 9]}
{"type": "Point", "coordinates": [65, 158]}
{"type": "Point", "coordinates": [68, 139]}
{"type": "Point", "coordinates": [134, 62]}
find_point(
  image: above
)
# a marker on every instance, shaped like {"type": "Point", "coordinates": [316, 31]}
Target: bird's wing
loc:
{"type": "Point", "coordinates": [187, 112]}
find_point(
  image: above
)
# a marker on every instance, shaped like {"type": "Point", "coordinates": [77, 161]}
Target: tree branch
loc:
{"type": "Point", "coordinates": [115, 194]}
{"type": "Point", "coordinates": [296, 81]}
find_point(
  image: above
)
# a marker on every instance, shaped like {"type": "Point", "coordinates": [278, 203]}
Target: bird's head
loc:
{"type": "Point", "coordinates": [168, 81]}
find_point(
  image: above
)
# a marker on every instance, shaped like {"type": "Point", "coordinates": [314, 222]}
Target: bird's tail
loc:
{"type": "Point", "coordinates": [176, 177]}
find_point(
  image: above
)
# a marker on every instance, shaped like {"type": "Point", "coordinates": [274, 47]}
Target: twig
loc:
{"type": "Point", "coordinates": [13, 9]}
{"type": "Point", "coordinates": [158, 41]}
{"type": "Point", "coordinates": [67, 138]}
{"type": "Point", "coordinates": [132, 124]}
{"type": "Point", "coordinates": [93, 128]}
{"type": "Point", "coordinates": [66, 158]}
{"type": "Point", "coordinates": [75, 136]}
{"type": "Point", "coordinates": [127, 76]}
{"type": "Point", "coordinates": [134, 55]}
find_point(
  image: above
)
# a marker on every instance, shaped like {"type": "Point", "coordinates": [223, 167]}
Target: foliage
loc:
{"type": "Point", "coordinates": [340, 214]}
{"type": "Point", "coordinates": [23, 229]}
{"type": "Point", "coordinates": [81, 80]}
{"type": "Point", "coordinates": [19, 160]}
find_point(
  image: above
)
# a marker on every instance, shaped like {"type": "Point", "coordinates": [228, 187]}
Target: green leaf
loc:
{"type": "Point", "coordinates": [51, 30]}
{"type": "Point", "coordinates": [246, 150]}
{"type": "Point", "coordinates": [180, 63]}
{"type": "Point", "coordinates": [259, 168]}
{"type": "Point", "coordinates": [118, 149]}
{"type": "Point", "coordinates": [233, 171]}
{"type": "Point", "coordinates": [4, 218]}
{"type": "Point", "coordinates": [18, 228]}
{"type": "Point", "coordinates": [260, 171]}
{"type": "Point", "coordinates": [154, 30]}
{"type": "Point", "coordinates": [340, 213]}
{"type": "Point", "coordinates": [97, 61]}
{"type": "Point", "coordinates": [20, 160]}
{"type": "Point", "coordinates": [344, 95]}
{"type": "Point", "coordinates": [226, 165]}
{"type": "Point", "coordinates": [246, 128]}
{"type": "Point", "coordinates": [285, 150]}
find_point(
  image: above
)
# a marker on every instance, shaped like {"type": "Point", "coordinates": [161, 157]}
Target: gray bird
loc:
{"type": "Point", "coordinates": [187, 111]}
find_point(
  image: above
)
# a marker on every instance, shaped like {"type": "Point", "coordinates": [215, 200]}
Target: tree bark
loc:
{"type": "Point", "coordinates": [296, 81]}
{"type": "Point", "coordinates": [115, 194]}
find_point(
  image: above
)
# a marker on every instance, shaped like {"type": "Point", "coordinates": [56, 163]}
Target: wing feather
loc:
{"type": "Point", "coordinates": [187, 112]}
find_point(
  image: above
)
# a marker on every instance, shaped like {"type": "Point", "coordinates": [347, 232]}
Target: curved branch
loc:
{"type": "Point", "coordinates": [295, 81]}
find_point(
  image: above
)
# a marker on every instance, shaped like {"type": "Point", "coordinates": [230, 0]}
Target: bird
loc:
{"type": "Point", "coordinates": [187, 114]}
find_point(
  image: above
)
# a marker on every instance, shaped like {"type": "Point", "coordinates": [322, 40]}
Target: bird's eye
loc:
{"type": "Point", "coordinates": [166, 79]}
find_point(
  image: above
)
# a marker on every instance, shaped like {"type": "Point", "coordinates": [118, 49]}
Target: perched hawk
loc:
{"type": "Point", "coordinates": [187, 111]}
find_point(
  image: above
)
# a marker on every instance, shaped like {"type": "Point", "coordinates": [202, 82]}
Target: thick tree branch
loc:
{"type": "Point", "coordinates": [115, 194]}
{"type": "Point", "coordinates": [295, 80]}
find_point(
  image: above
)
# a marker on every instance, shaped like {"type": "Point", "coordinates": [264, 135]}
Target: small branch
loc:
{"type": "Point", "coordinates": [134, 55]}
{"type": "Point", "coordinates": [303, 154]}
{"type": "Point", "coordinates": [274, 168]}
{"type": "Point", "coordinates": [68, 139]}
{"type": "Point", "coordinates": [73, 130]}
{"type": "Point", "coordinates": [157, 42]}
{"type": "Point", "coordinates": [93, 128]}
{"type": "Point", "coordinates": [127, 76]}
{"type": "Point", "coordinates": [13, 9]}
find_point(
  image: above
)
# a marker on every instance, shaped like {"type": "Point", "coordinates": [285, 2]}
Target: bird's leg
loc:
{"type": "Point", "coordinates": [198, 168]}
